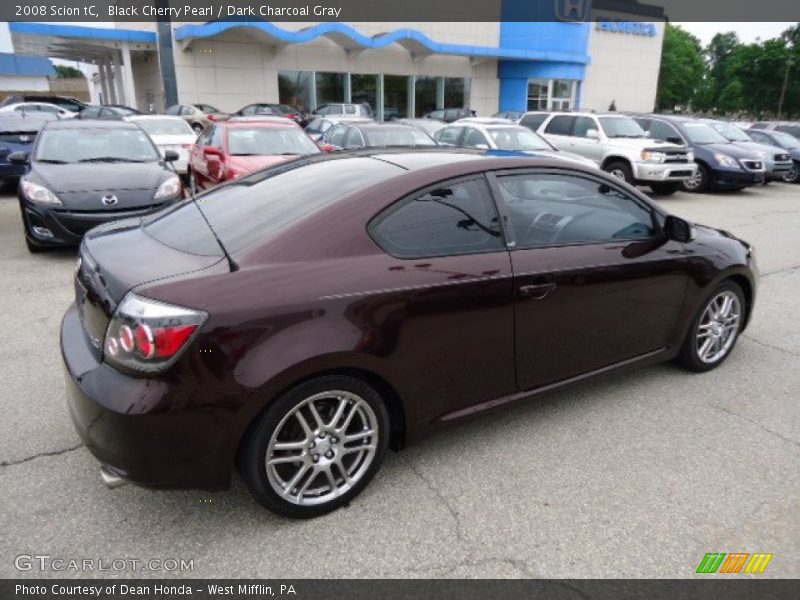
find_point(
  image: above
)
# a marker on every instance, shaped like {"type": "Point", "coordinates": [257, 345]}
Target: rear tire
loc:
{"type": "Point", "coordinates": [295, 460]}
{"type": "Point", "coordinates": [620, 170]}
{"type": "Point", "coordinates": [714, 329]}
{"type": "Point", "coordinates": [793, 176]}
{"type": "Point", "coordinates": [665, 189]}
{"type": "Point", "coordinates": [700, 182]}
{"type": "Point", "coordinates": [198, 129]}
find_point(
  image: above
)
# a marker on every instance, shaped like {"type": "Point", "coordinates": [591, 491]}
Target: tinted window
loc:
{"type": "Point", "coordinates": [451, 219]}
{"type": "Point", "coordinates": [475, 138]}
{"type": "Point", "coordinates": [256, 206]}
{"type": "Point", "coordinates": [173, 110]}
{"type": "Point", "coordinates": [186, 110]}
{"type": "Point", "coordinates": [663, 131]}
{"type": "Point", "coordinates": [560, 125]}
{"type": "Point", "coordinates": [336, 136]}
{"type": "Point", "coordinates": [248, 110]}
{"type": "Point", "coordinates": [90, 113]}
{"type": "Point", "coordinates": [582, 125]}
{"type": "Point", "coordinates": [353, 138]}
{"type": "Point", "coordinates": [550, 209]}
{"type": "Point", "coordinates": [533, 122]}
{"type": "Point", "coordinates": [450, 135]}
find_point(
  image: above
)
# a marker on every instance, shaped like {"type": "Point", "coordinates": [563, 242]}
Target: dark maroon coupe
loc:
{"type": "Point", "coordinates": [300, 320]}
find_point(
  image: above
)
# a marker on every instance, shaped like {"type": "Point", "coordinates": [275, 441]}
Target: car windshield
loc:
{"type": "Point", "coordinates": [787, 141]}
{"type": "Point", "coordinates": [731, 132]}
{"type": "Point", "coordinates": [95, 145]}
{"type": "Point", "coordinates": [262, 141]}
{"type": "Point", "coordinates": [397, 136]}
{"type": "Point", "coordinates": [621, 127]}
{"type": "Point", "coordinates": [255, 207]}
{"type": "Point", "coordinates": [165, 126]}
{"type": "Point", "coordinates": [124, 110]}
{"type": "Point", "coordinates": [206, 108]}
{"type": "Point", "coordinates": [516, 138]}
{"type": "Point", "coordinates": [700, 133]}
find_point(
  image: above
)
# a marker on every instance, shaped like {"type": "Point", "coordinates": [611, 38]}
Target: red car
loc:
{"type": "Point", "coordinates": [229, 149]}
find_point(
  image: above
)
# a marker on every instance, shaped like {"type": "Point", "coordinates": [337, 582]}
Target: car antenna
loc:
{"type": "Point", "coordinates": [231, 263]}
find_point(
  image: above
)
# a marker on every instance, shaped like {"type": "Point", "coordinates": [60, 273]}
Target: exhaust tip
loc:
{"type": "Point", "coordinates": [110, 478]}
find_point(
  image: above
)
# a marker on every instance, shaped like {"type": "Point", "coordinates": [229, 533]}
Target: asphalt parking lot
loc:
{"type": "Point", "coordinates": [636, 475]}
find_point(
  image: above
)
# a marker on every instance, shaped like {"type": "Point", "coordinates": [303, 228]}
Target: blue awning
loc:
{"type": "Point", "coordinates": [23, 64]}
{"type": "Point", "coordinates": [99, 34]}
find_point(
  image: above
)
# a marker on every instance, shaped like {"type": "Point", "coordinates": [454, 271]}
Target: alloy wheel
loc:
{"type": "Point", "coordinates": [322, 448]}
{"type": "Point", "coordinates": [619, 174]}
{"type": "Point", "coordinates": [695, 181]}
{"type": "Point", "coordinates": [718, 327]}
{"type": "Point", "coordinates": [793, 175]}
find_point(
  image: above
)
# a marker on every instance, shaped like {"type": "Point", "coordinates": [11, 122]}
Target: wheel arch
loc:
{"type": "Point", "coordinates": [616, 158]}
{"type": "Point", "coordinates": [747, 287]}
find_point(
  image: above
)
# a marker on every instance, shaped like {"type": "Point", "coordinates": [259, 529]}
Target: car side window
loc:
{"type": "Point", "coordinates": [759, 137]}
{"type": "Point", "coordinates": [248, 110]}
{"type": "Point", "coordinates": [336, 136]}
{"type": "Point", "coordinates": [216, 137]}
{"type": "Point", "coordinates": [533, 122]}
{"type": "Point", "coordinates": [550, 209]}
{"type": "Point", "coordinates": [173, 110]}
{"type": "Point", "coordinates": [559, 125]}
{"type": "Point", "coordinates": [474, 138]}
{"type": "Point", "coordinates": [437, 114]}
{"type": "Point", "coordinates": [187, 110]}
{"type": "Point", "coordinates": [350, 109]}
{"type": "Point", "coordinates": [353, 138]}
{"type": "Point", "coordinates": [90, 113]}
{"type": "Point", "coordinates": [107, 113]}
{"type": "Point", "coordinates": [582, 126]}
{"type": "Point", "coordinates": [664, 131]}
{"type": "Point", "coordinates": [446, 220]}
{"type": "Point", "coordinates": [449, 135]}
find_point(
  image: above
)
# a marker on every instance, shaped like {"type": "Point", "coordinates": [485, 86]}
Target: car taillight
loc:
{"type": "Point", "coordinates": [148, 335]}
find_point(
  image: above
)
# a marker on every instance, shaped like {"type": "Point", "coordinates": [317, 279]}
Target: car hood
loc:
{"type": "Point", "coordinates": [758, 147]}
{"type": "Point", "coordinates": [245, 164]}
{"type": "Point", "coordinates": [98, 177]}
{"type": "Point", "coordinates": [731, 150]}
{"type": "Point", "coordinates": [173, 140]}
{"type": "Point", "coordinates": [644, 144]}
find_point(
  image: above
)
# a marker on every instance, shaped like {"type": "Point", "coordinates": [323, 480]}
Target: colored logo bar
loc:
{"type": "Point", "coordinates": [735, 562]}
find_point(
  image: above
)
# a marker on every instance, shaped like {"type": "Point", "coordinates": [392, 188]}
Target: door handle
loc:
{"type": "Point", "coordinates": [538, 291]}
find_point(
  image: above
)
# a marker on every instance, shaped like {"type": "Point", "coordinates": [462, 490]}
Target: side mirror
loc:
{"type": "Point", "coordinates": [18, 158]}
{"type": "Point", "coordinates": [593, 134]}
{"type": "Point", "coordinates": [171, 156]}
{"type": "Point", "coordinates": [678, 229]}
{"type": "Point", "coordinates": [212, 152]}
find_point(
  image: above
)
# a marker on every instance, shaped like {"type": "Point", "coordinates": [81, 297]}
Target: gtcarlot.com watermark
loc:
{"type": "Point", "coordinates": [46, 562]}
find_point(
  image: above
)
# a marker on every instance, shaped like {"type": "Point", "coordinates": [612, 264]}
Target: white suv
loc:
{"type": "Point", "coordinates": [618, 145]}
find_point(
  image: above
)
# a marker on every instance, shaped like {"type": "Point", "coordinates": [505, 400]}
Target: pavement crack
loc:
{"type": "Point", "coordinates": [11, 463]}
{"type": "Point", "coordinates": [446, 569]}
{"type": "Point", "coordinates": [780, 271]}
{"type": "Point", "coordinates": [773, 347]}
{"type": "Point", "coordinates": [757, 424]}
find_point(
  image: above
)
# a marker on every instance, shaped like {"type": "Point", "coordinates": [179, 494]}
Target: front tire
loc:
{"type": "Point", "coordinates": [316, 447]}
{"type": "Point", "coordinates": [664, 189]}
{"type": "Point", "coordinates": [700, 182]}
{"type": "Point", "coordinates": [714, 329]}
{"type": "Point", "coordinates": [793, 176]}
{"type": "Point", "coordinates": [620, 170]}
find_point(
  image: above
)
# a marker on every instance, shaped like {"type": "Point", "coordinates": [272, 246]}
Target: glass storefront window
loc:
{"type": "Point", "coordinates": [295, 88]}
{"type": "Point", "coordinates": [538, 93]}
{"type": "Point", "coordinates": [563, 94]}
{"type": "Point", "coordinates": [454, 93]}
{"type": "Point", "coordinates": [364, 90]}
{"type": "Point", "coordinates": [425, 96]}
{"type": "Point", "coordinates": [395, 97]}
{"type": "Point", "coordinates": [551, 94]}
{"type": "Point", "coordinates": [330, 88]}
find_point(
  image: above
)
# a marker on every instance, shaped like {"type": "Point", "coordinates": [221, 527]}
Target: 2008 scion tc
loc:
{"type": "Point", "coordinates": [301, 319]}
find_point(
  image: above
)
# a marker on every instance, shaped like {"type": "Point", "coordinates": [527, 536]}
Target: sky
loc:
{"type": "Point", "coordinates": [748, 32]}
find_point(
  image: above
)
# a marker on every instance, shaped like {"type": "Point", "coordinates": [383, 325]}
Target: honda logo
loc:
{"type": "Point", "coordinates": [571, 10]}
{"type": "Point", "coordinates": [109, 200]}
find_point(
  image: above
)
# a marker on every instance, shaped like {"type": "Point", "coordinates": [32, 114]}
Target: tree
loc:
{"type": "Point", "coordinates": [682, 68]}
{"type": "Point", "coordinates": [67, 72]}
{"type": "Point", "coordinates": [718, 55]}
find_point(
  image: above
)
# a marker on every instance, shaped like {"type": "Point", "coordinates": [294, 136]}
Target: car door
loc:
{"type": "Point", "coordinates": [596, 282]}
{"type": "Point", "coordinates": [558, 131]}
{"type": "Point", "coordinates": [581, 143]}
{"type": "Point", "coordinates": [198, 158]}
{"type": "Point", "coordinates": [449, 286]}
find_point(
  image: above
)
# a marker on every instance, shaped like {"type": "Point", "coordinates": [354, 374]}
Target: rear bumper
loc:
{"type": "Point", "coordinates": [141, 427]}
{"type": "Point", "coordinates": [663, 172]}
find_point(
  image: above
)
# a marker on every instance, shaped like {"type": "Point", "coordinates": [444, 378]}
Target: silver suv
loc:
{"type": "Point", "coordinates": [339, 109]}
{"type": "Point", "coordinates": [619, 145]}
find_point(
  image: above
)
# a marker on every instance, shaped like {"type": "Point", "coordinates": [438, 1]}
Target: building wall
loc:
{"type": "Point", "coordinates": [624, 69]}
{"type": "Point", "coordinates": [147, 81]}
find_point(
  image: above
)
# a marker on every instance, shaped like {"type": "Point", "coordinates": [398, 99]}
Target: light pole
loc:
{"type": "Point", "coordinates": [789, 63]}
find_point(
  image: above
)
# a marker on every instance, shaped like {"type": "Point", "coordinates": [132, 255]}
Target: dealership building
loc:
{"type": "Point", "coordinates": [608, 55]}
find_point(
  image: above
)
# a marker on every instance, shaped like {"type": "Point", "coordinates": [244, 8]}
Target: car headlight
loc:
{"type": "Point", "coordinates": [39, 194]}
{"type": "Point", "coordinates": [649, 156]}
{"type": "Point", "coordinates": [168, 189]}
{"type": "Point", "coordinates": [726, 161]}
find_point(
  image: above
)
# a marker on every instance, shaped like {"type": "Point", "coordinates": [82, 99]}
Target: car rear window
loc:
{"type": "Point", "coordinates": [255, 207]}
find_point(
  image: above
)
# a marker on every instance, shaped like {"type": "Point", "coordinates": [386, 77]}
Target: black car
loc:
{"type": "Point", "coordinates": [448, 115]}
{"type": "Point", "coordinates": [66, 102]}
{"type": "Point", "coordinates": [370, 134]}
{"type": "Point", "coordinates": [83, 173]}
{"type": "Point", "coordinates": [18, 133]}
{"type": "Point", "coordinates": [108, 112]}
{"type": "Point", "coordinates": [722, 164]}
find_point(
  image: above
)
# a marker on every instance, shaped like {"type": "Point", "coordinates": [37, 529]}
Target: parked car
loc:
{"type": "Point", "coordinates": [338, 109]}
{"type": "Point", "coordinates": [429, 126]}
{"type": "Point", "coordinates": [511, 115]}
{"type": "Point", "coordinates": [617, 144]}
{"type": "Point", "coordinates": [74, 105]}
{"type": "Point", "coordinates": [783, 140]}
{"type": "Point", "coordinates": [277, 110]}
{"type": "Point", "coordinates": [792, 128]}
{"type": "Point", "coordinates": [319, 125]}
{"type": "Point", "coordinates": [325, 309]}
{"type": "Point", "coordinates": [502, 136]}
{"type": "Point", "coordinates": [84, 173]}
{"type": "Point", "coordinates": [168, 133]}
{"type": "Point", "coordinates": [198, 116]}
{"type": "Point", "coordinates": [449, 115]}
{"type": "Point", "coordinates": [720, 164]}
{"type": "Point", "coordinates": [18, 133]}
{"type": "Point", "coordinates": [229, 149]}
{"type": "Point", "coordinates": [777, 161]}
{"type": "Point", "coordinates": [369, 134]}
{"type": "Point", "coordinates": [108, 112]}
{"type": "Point", "coordinates": [38, 107]}
{"type": "Point", "coordinates": [533, 119]}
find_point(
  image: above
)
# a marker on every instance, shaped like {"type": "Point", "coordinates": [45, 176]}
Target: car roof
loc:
{"type": "Point", "coordinates": [91, 124]}
{"type": "Point", "coordinates": [262, 123]}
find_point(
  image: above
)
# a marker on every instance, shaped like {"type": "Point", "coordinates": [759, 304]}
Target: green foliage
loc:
{"type": "Point", "coordinates": [682, 69]}
{"type": "Point", "coordinates": [67, 72]}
